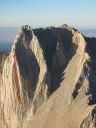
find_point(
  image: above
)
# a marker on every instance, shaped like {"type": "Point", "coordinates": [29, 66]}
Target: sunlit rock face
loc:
{"type": "Point", "coordinates": [48, 80]}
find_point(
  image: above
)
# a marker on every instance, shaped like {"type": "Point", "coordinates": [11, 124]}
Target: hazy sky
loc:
{"type": "Point", "coordinates": [39, 13]}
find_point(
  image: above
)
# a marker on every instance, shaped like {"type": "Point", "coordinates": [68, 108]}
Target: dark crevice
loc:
{"type": "Point", "coordinates": [28, 67]}
{"type": "Point", "coordinates": [91, 50]}
{"type": "Point", "coordinates": [79, 84]}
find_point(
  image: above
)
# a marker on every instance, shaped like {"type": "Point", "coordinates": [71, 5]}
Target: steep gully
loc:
{"type": "Point", "coordinates": [17, 81]}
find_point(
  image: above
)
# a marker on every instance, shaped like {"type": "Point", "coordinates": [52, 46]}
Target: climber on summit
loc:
{"type": "Point", "coordinates": [26, 27]}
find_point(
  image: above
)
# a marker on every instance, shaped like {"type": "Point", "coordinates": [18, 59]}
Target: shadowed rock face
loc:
{"type": "Point", "coordinates": [58, 49]}
{"type": "Point", "coordinates": [48, 79]}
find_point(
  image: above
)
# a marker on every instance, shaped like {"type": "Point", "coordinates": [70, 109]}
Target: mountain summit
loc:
{"type": "Point", "coordinates": [48, 80]}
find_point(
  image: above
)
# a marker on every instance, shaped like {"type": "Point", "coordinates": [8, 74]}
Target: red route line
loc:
{"type": "Point", "coordinates": [17, 83]}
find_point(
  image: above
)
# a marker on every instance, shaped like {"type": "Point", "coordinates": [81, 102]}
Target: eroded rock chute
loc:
{"type": "Point", "coordinates": [16, 78]}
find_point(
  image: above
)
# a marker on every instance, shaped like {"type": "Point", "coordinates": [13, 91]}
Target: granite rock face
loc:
{"type": "Point", "coordinates": [48, 80]}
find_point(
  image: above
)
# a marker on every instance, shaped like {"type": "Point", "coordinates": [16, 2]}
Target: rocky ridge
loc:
{"type": "Point", "coordinates": [49, 78]}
